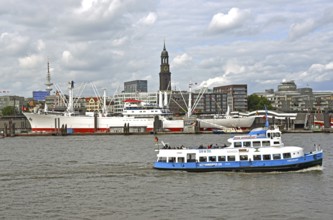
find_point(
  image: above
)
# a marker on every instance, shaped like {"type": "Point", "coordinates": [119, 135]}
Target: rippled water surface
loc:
{"type": "Point", "coordinates": [111, 177]}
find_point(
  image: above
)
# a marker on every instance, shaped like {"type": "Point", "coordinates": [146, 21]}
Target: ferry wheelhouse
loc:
{"type": "Point", "coordinates": [262, 150]}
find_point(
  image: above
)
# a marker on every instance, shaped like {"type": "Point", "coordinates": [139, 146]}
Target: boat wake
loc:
{"type": "Point", "coordinates": [310, 169]}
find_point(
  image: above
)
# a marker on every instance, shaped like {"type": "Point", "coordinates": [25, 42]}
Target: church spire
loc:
{"type": "Point", "coordinates": [165, 74]}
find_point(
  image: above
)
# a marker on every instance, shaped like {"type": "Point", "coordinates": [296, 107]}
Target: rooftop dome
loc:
{"type": "Point", "coordinates": [287, 86]}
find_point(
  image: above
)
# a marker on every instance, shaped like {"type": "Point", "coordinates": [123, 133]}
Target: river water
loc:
{"type": "Point", "coordinates": [111, 177]}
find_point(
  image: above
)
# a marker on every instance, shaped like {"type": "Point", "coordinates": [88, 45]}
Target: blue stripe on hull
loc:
{"type": "Point", "coordinates": [307, 161]}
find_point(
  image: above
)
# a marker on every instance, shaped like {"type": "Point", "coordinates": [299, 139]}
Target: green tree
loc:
{"type": "Point", "coordinates": [254, 102]}
{"type": "Point", "coordinates": [8, 110]}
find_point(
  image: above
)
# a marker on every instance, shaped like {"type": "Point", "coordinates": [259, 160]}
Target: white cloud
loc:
{"type": "Point", "coordinates": [321, 67]}
{"type": "Point", "coordinates": [30, 61]}
{"type": "Point", "coordinates": [233, 68]}
{"type": "Point", "coordinates": [321, 72]}
{"type": "Point", "coordinates": [12, 43]}
{"type": "Point", "coordinates": [150, 19]}
{"type": "Point", "coordinates": [181, 59]}
{"type": "Point", "coordinates": [40, 45]}
{"type": "Point", "coordinates": [118, 53]}
{"type": "Point", "coordinates": [216, 81]}
{"type": "Point", "coordinates": [316, 73]}
{"type": "Point", "coordinates": [300, 29]}
{"type": "Point", "coordinates": [95, 10]}
{"type": "Point", "coordinates": [67, 56]}
{"type": "Point", "coordinates": [233, 19]}
{"type": "Point", "coordinates": [86, 5]}
{"type": "Point", "coordinates": [119, 41]}
{"type": "Point", "coordinates": [3, 35]}
{"type": "Point", "coordinates": [110, 41]}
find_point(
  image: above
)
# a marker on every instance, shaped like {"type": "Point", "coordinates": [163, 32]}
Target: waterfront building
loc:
{"type": "Point", "coordinates": [136, 86]}
{"type": "Point", "coordinates": [207, 103]}
{"type": "Point", "coordinates": [12, 100]}
{"type": "Point", "coordinates": [40, 95]}
{"type": "Point", "coordinates": [289, 98]}
{"type": "Point", "coordinates": [178, 102]}
{"type": "Point", "coordinates": [236, 96]}
{"type": "Point", "coordinates": [93, 104]}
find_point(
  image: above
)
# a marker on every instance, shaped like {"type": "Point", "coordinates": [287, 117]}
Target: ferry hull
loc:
{"type": "Point", "coordinates": [307, 161]}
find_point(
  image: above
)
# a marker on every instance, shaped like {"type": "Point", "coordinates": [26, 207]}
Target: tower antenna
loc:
{"type": "Point", "coordinates": [48, 78]}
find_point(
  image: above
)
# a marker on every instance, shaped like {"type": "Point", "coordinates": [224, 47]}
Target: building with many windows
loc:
{"type": "Point", "coordinates": [136, 86]}
{"type": "Point", "coordinates": [289, 98]}
{"type": "Point", "coordinates": [93, 104]}
{"type": "Point", "coordinates": [16, 101]}
{"type": "Point", "coordinates": [236, 96]}
{"type": "Point", "coordinates": [40, 95]}
{"type": "Point", "coordinates": [207, 103]}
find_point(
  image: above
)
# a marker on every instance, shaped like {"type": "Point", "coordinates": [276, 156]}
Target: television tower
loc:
{"type": "Point", "coordinates": [48, 79]}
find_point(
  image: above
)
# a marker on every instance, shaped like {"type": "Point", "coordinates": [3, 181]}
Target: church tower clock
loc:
{"type": "Point", "coordinates": [165, 74]}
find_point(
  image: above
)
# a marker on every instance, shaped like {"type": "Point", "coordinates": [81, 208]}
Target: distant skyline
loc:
{"type": "Point", "coordinates": [212, 43]}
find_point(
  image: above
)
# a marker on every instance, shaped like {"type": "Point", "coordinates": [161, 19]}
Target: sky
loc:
{"type": "Point", "coordinates": [210, 42]}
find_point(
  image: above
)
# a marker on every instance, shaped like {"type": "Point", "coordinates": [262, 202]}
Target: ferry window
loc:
{"type": "Point", "coordinates": [221, 158]}
{"type": "Point", "coordinates": [266, 157]}
{"type": "Point", "coordinates": [238, 144]}
{"type": "Point", "coordinates": [247, 144]}
{"type": "Point", "coordinates": [286, 155]}
{"type": "Point", "coordinates": [212, 159]}
{"type": "Point", "coordinates": [276, 142]}
{"type": "Point", "coordinates": [190, 157]}
{"type": "Point", "coordinates": [256, 143]}
{"type": "Point", "coordinates": [181, 159]}
{"type": "Point", "coordinates": [243, 157]}
{"type": "Point", "coordinates": [231, 158]}
{"type": "Point", "coordinates": [265, 143]}
{"type": "Point", "coordinates": [172, 159]}
{"type": "Point", "coordinates": [203, 159]}
{"type": "Point", "coordinates": [162, 159]}
{"type": "Point", "coordinates": [256, 157]}
{"type": "Point", "coordinates": [276, 156]}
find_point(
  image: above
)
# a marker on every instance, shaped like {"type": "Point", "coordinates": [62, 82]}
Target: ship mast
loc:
{"type": "Point", "coordinates": [70, 107]}
{"type": "Point", "coordinates": [189, 110]}
{"type": "Point", "coordinates": [104, 110]}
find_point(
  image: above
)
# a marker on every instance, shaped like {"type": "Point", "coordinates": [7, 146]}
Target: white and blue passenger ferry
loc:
{"type": "Point", "coordinates": [261, 150]}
